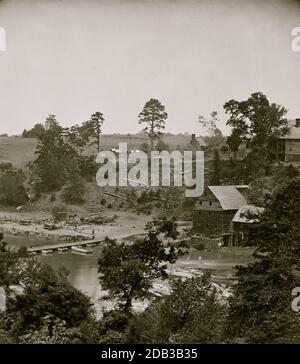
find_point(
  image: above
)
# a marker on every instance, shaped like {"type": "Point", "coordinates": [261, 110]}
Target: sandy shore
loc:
{"type": "Point", "coordinates": [126, 224]}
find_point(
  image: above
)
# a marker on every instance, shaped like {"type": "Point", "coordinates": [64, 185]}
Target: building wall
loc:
{"type": "Point", "coordinates": [292, 150]}
{"type": "Point", "coordinates": [209, 217]}
{"type": "Point", "coordinates": [240, 233]}
{"type": "Point", "coordinates": [212, 222]}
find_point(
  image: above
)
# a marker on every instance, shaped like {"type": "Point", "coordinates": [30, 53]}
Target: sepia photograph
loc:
{"type": "Point", "coordinates": [149, 174]}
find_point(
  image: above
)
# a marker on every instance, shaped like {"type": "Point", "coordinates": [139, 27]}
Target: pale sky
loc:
{"type": "Point", "coordinates": [74, 57]}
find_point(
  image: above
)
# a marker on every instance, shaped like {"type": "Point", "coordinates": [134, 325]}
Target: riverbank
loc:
{"type": "Point", "coordinates": [29, 227]}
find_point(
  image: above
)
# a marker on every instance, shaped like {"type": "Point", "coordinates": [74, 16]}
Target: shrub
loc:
{"type": "Point", "coordinates": [5, 167]}
{"type": "Point", "coordinates": [73, 192]}
{"type": "Point", "coordinates": [52, 197]}
{"type": "Point", "coordinates": [12, 190]}
{"type": "Point", "coordinates": [59, 212]}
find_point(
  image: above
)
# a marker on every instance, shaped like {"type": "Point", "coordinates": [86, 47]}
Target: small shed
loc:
{"type": "Point", "coordinates": [246, 216]}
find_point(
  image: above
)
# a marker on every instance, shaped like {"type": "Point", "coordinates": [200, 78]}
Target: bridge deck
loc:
{"type": "Point", "coordinates": [55, 246]}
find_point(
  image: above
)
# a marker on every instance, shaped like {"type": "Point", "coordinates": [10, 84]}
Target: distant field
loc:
{"type": "Point", "coordinates": [16, 150]}
{"type": "Point", "coordinates": [134, 141]}
{"type": "Point", "coordinates": [19, 151]}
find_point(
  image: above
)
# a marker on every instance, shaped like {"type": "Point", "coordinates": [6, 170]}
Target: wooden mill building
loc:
{"type": "Point", "coordinates": [215, 209]}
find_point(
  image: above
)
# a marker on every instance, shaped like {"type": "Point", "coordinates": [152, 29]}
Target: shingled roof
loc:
{"type": "Point", "coordinates": [294, 129]}
{"type": "Point", "coordinates": [248, 214]}
{"type": "Point", "coordinates": [229, 196]}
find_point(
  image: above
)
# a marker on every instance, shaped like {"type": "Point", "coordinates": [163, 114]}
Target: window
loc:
{"type": "Point", "coordinates": [200, 202]}
{"type": "Point", "coordinates": [210, 203]}
{"type": "Point", "coordinates": [199, 212]}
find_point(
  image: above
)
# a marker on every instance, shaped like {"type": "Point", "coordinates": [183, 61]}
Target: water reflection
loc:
{"type": "Point", "coordinates": [83, 269]}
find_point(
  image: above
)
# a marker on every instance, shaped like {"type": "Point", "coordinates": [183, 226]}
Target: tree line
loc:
{"type": "Point", "coordinates": [256, 127]}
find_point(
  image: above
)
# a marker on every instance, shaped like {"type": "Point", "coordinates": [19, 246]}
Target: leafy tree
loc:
{"type": "Point", "coordinates": [56, 332]}
{"type": "Point", "coordinates": [113, 327]}
{"type": "Point", "coordinates": [46, 308]}
{"type": "Point", "coordinates": [46, 294]}
{"type": "Point", "coordinates": [93, 128]}
{"type": "Point", "coordinates": [214, 138]}
{"type": "Point", "coordinates": [191, 314]}
{"type": "Point", "coordinates": [292, 172]}
{"type": "Point", "coordinates": [9, 265]}
{"type": "Point", "coordinates": [87, 167]}
{"type": "Point", "coordinates": [260, 308]}
{"type": "Point", "coordinates": [58, 155]}
{"type": "Point", "coordinates": [161, 145]}
{"type": "Point", "coordinates": [154, 116]}
{"type": "Point", "coordinates": [52, 156]}
{"type": "Point", "coordinates": [127, 271]}
{"type": "Point", "coordinates": [210, 125]}
{"type": "Point", "coordinates": [258, 123]}
{"type": "Point", "coordinates": [35, 132]}
{"type": "Point", "coordinates": [224, 149]}
{"type": "Point", "coordinates": [234, 141]}
{"type": "Point", "coordinates": [76, 138]}
{"type": "Point", "coordinates": [261, 188]}
{"type": "Point", "coordinates": [6, 167]}
{"type": "Point", "coordinates": [145, 147]}
{"type": "Point", "coordinates": [73, 192]}
{"type": "Point", "coordinates": [12, 190]}
{"type": "Point", "coordinates": [217, 170]}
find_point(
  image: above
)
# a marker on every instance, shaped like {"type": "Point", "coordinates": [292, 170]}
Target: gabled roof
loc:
{"type": "Point", "coordinates": [248, 214]}
{"type": "Point", "coordinates": [201, 141]}
{"type": "Point", "coordinates": [228, 196]}
{"type": "Point", "coordinates": [294, 132]}
{"type": "Point", "coordinates": [196, 141]}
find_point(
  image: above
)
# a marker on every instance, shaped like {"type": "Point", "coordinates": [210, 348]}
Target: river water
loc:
{"type": "Point", "coordinates": [83, 268]}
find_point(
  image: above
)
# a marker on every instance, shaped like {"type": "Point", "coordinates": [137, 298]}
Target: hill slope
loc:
{"type": "Point", "coordinates": [16, 150]}
{"type": "Point", "coordinates": [19, 151]}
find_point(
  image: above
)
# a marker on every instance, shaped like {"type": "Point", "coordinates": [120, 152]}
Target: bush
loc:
{"type": "Point", "coordinates": [12, 190]}
{"type": "Point", "coordinates": [190, 314]}
{"type": "Point", "coordinates": [161, 145]}
{"type": "Point", "coordinates": [5, 167]}
{"type": "Point", "coordinates": [145, 147]}
{"type": "Point", "coordinates": [88, 167]}
{"type": "Point", "coordinates": [73, 192]}
{"type": "Point", "coordinates": [59, 212]}
{"type": "Point", "coordinates": [52, 197]}
{"type": "Point", "coordinates": [35, 132]}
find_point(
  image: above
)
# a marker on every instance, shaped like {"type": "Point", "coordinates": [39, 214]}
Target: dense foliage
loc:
{"type": "Point", "coordinates": [154, 117]}
{"type": "Point", "coordinates": [260, 308]}
{"type": "Point", "coordinates": [127, 271]}
{"type": "Point", "coordinates": [41, 304]}
{"type": "Point", "coordinates": [12, 189]}
{"type": "Point", "coordinates": [191, 314]}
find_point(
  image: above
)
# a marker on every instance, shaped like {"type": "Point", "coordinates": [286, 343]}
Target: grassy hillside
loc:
{"type": "Point", "coordinates": [20, 151]}
{"type": "Point", "coordinates": [16, 150]}
{"type": "Point", "coordinates": [134, 141]}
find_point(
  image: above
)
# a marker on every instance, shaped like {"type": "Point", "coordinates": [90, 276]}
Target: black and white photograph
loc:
{"type": "Point", "coordinates": [149, 174]}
